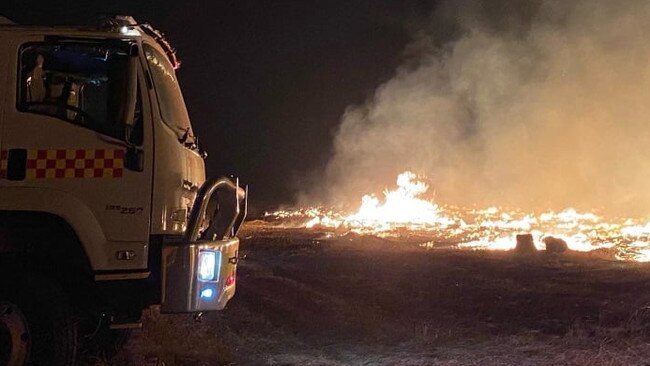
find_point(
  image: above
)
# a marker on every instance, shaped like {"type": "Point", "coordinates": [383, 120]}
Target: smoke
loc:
{"type": "Point", "coordinates": [534, 105]}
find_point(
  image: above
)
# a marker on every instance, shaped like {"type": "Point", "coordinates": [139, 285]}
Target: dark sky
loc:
{"type": "Point", "coordinates": [265, 81]}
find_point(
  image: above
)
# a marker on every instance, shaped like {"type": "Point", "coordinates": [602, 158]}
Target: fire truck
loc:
{"type": "Point", "coordinates": [105, 209]}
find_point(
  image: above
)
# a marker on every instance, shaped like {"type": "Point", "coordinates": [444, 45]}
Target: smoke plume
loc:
{"type": "Point", "coordinates": [534, 105]}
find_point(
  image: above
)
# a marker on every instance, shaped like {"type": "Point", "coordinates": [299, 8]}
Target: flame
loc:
{"type": "Point", "coordinates": [402, 210]}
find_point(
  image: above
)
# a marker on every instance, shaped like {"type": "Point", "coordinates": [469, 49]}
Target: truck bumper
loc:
{"type": "Point", "coordinates": [198, 276]}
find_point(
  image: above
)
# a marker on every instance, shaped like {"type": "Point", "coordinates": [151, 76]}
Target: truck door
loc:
{"type": "Point", "coordinates": [82, 125]}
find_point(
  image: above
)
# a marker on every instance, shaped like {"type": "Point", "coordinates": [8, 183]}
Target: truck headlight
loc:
{"type": "Point", "coordinates": [209, 263]}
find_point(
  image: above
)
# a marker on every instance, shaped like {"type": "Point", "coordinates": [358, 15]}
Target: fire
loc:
{"type": "Point", "coordinates": [401, 207]}
{"type": "Point", "coordinates": [403, 210]}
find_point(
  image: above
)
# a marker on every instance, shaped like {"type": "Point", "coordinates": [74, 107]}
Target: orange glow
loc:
{"type": "Point", "coordinates": [402, 212]}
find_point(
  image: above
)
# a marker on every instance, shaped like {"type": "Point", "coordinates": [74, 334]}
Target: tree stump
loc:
{"type": "Point", "coordinates": [525, 245]}
{"type": "Point", "coordinates": [555, 245]}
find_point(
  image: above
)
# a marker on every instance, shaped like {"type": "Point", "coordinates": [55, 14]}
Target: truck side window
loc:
{"type": "Point", "coordinates": [170, 98]}
{"type": "Point", "coordinates": [82, 83]}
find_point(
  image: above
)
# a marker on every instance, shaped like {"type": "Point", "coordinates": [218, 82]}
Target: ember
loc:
{"type": "Point", "coordinates": [403, 213]}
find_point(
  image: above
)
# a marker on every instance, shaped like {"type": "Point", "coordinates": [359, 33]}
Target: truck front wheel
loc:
{"type": "Point", "coordinates": [14, 335]}
{"type": "Point", "coordinates": [37, 320]}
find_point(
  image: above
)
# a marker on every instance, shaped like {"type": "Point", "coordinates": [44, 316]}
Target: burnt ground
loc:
{"type": "Point", "coordinates": [304, 298]}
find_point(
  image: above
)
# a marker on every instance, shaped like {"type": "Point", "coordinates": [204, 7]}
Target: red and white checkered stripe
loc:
{"type": "Point", "coordinates": [70, 163]}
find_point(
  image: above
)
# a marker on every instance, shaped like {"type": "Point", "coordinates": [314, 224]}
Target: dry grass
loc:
{"type": "Point", "coordinates": [306, 300]}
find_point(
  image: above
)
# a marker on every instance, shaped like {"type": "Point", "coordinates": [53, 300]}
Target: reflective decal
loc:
{"type": "Point", "coordinates": [70, 163]}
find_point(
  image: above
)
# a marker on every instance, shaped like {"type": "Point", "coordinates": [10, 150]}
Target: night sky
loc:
{"type": "Point", "coordinates": [265, 82]}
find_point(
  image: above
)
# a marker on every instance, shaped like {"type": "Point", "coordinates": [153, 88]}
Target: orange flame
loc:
{"type": "Point", "coordinates": [493, 228]}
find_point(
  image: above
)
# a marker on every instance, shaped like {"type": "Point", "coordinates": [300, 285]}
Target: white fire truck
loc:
{"type": "Point", "coordinates": [104, 205]}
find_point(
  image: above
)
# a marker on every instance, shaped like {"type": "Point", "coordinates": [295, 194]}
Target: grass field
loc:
{"type": "Point", "coordinates": [306, 297]}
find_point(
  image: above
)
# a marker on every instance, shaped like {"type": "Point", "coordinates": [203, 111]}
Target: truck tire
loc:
{"type": "Point", "coordinates": [47, 317]}
{"type": "Point", "coordinates": [14, 335]}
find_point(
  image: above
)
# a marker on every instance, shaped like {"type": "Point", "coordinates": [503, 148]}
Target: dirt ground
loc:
{"type": "Point", "coordinates": [307, 297]}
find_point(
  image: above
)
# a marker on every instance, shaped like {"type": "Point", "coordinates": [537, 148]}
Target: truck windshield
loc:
{"type": "Point", "coordinates": [170, 99]}
{"type": "Point", "coordinates": [83, 83]}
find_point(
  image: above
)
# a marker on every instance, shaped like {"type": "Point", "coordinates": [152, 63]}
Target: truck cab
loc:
{"type": "Point", "coordinates": [103, 193]}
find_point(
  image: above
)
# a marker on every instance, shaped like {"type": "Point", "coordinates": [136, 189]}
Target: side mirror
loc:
{"type": "Point", "coordinates": [134, 51]}
{"type": "Point", "coordinates": [130, 93]}
{"type": "Point", "coordinates": [122, 88]}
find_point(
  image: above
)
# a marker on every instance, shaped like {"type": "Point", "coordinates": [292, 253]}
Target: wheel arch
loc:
{"type": "Point", "coordinates": [51, 221]}
{"type": "Point", "coordinates": [42, 239]}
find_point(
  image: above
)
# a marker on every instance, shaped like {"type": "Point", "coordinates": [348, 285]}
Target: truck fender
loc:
{"type": "Point", "coordinates": [79, 216]}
